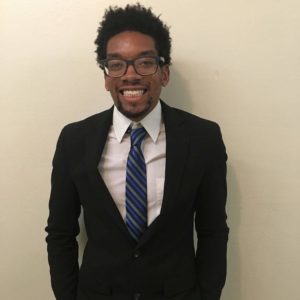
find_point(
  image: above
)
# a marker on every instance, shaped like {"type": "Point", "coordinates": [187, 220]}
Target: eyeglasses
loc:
{"type": "Point", "coordinates": [144, 66]}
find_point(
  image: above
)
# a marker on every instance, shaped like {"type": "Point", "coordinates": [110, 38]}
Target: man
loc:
{"type": "Point", "coordinates": [141, 171]}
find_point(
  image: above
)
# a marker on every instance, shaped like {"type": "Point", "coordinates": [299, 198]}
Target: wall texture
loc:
{"type": "Point", "coordinates": [236, 62]}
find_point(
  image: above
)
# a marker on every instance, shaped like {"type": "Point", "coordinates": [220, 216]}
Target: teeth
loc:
{"type": "Point", "coordinates": [131, 93]}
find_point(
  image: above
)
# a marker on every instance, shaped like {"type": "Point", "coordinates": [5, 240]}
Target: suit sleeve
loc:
{"type": "Point", "coordinates": [210, 222]}
{"type": "Point", "coordinates": [63, 227]}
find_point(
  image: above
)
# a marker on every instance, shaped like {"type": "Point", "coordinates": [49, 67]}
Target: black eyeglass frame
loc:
{"type": "Point", "coordinates": [160, 61]}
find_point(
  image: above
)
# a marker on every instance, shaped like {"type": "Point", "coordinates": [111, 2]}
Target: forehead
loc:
{"type": "Point", "coordinates": [130, 43]}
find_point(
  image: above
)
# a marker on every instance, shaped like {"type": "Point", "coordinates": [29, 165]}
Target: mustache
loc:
{"type": "Point", "coordinates": [132, 81]}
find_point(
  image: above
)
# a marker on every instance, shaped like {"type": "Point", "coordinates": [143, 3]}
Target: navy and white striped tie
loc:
{"type": "Point", "coordinates": [136, 185]}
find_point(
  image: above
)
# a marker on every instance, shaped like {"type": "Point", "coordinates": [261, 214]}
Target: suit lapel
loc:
{"type": "Point", "coordinates": [96, 139]}
{"type": "Point", "coordinates": [95, 142]}
{"type": "Point", "coordinates": [177, 142]}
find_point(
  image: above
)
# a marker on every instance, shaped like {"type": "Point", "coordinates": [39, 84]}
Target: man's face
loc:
{"type": "Point", "coordinates": [135, 95]}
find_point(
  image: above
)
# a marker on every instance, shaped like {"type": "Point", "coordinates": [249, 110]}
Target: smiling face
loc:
{"type": "Point", "coordinates": [135, 95]}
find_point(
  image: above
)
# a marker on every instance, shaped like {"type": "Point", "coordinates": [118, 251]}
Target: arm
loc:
{"type": "Point", "coordinates": [210, 222]}
{"type": "Point", "coordinates": [62, 229]}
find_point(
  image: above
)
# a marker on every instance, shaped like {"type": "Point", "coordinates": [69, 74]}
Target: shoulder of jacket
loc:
{"type": "Point", "coordinates": [87, 124]}
{"type": "Point", "coordinates": [195, 120]}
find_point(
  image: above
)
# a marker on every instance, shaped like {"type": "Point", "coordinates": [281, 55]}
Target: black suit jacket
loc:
{"type": "Point", "coordinates": [163, 264]}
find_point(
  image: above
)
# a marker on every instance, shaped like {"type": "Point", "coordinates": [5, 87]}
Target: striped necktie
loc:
{"type": "Point", "coordinates": [136, 185]}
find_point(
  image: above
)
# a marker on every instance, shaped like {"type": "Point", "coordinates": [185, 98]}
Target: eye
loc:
{"type": "Point", "coordinates": [115, 64]}
{"type": "Point", "coordinates": [146, 62]}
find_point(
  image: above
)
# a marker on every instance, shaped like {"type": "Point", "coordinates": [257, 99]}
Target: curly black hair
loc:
{"type": "Point", "coordinates": [133, 18]}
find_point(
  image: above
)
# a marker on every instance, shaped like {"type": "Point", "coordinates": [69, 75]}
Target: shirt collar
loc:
{"type": "Point", "coordinates": [152, 123]}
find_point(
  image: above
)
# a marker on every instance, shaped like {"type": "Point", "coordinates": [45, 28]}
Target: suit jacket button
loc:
{"type": "Point", "coordinates": [136, 254]}
{"type": "Point", "coordinates": [137, 296]}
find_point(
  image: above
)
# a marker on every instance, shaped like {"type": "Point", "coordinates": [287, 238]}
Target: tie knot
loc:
{"type": "Point", "coordinates": [137, 135]}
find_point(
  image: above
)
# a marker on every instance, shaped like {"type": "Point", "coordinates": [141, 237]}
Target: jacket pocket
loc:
{"type": "Point", "coordinates": [177, 285]}
{"type": "Point", "coordinates": [91, 284]}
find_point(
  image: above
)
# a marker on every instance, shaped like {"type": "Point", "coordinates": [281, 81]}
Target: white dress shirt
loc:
{"type": "Point", "coordinates": [112, 166]}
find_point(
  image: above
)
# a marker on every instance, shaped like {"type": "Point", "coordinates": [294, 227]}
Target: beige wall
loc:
{"type": "Point", "coordinates": [236, 62]}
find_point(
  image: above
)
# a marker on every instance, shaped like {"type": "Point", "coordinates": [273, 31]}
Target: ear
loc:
{"type": "Point", "coordinates": [106, 80]}
{"type": "Point", "coordinates": [165, 75]}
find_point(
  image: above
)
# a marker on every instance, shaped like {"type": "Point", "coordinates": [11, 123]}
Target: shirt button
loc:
{"type": "Point", "coordinates": [136, 254]}
{"type": "Point", "coordinates": [137, 296]}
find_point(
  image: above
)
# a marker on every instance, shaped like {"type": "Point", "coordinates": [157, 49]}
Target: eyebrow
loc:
{"type": "Point", "coordinates": [144, 53]}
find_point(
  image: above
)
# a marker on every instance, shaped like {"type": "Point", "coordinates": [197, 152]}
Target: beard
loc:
{"type": "Point", "coordinates": [133, 112]}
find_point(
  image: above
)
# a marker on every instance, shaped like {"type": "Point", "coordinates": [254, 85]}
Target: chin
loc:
{"type": "Point", "coordinates": [134, 113]}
